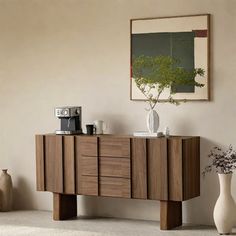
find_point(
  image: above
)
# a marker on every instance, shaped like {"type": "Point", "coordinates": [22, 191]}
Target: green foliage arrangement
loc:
{"type": "Point", "coordinates": [159, 73]}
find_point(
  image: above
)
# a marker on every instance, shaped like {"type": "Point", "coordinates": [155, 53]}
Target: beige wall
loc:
{"type": "Point", "coordinates": [76, 52]}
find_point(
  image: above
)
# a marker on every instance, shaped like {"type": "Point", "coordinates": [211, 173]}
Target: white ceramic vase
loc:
{"type": "Point", "coordinates": [225, 208]}
{"type": "Point", "coordinates": [5, 191]}
{"type": "Point", "coordinates": [152, 121]}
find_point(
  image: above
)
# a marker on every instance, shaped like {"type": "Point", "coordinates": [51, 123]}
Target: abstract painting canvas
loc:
{"type": "Point", "coordinates": [184, 38]}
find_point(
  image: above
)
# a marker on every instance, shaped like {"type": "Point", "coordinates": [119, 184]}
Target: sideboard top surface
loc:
{"type": "Point", "coordinates": [123, 136]}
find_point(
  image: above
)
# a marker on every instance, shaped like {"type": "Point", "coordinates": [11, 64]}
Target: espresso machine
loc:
{"type": "Point", "coordinates": [70, 118]}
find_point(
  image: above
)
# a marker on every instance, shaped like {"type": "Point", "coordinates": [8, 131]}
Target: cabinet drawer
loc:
{"type": "Point", "coordinates": [114, 147]}
{"type": "Point", "coordinates": [114, 187]}
{"type": "Point", "coordinates": [89, 165]}
{"type": "Point", "coordinates": [87, 146]}
{"type": "Point", "coordinates": [114, 167]}
{"type": "Point", "coordinates": [88, 185]}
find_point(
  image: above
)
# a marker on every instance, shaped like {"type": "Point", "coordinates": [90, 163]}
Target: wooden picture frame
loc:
{"type": "Point", "coordinates": [145, 30]}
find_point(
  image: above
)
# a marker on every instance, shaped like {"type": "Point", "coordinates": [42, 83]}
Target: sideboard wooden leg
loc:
{"type": "Point", "coordinates": [170, 214]}
{"type": "Point", "coordinates": [64, 206]}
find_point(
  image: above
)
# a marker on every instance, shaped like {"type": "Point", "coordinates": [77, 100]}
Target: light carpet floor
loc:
{"type": "Point", "coordinates": [40, 223]}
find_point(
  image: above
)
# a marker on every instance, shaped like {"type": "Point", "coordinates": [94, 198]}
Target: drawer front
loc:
{"type": "Point", "coordinates": [114, 187]}
{"type": "Point", "coordinates": [88, 185]}
{"type": "Point", "coordinates": [114, 147]}
{"type": "Point", "coordinates": [87, 146]}
{"type": "Point", "coordinates": [114, 167]}
{"type": "Point", "coordinates": [89, 165]}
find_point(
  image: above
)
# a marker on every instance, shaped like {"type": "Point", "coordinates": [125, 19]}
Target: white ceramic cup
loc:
{"type": "Point", "coordinates": [100, 126]}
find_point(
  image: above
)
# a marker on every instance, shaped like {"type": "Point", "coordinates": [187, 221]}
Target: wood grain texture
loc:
{"type": "Point", "coordinates": [88, 145]}
{"type": "Point", "coordinates": [64, 206]}
{"type": "Point", "coordinates": [139, 168]}
{"type": "Point", "coordinates": [40, 170]}
{"type": "Point", "coordinates": [114, 147]}
{"type": "Point", "coordinates": [191, 168]}
{"type": "Point", "coordinates": [54, 164]}
{"type": "Point", "coordinates": [114, 167]}
{"type": "Point", "coordinates": [157, 169]}
{"type": "Point", "coordinates": [175, 176]}
{"type": "Point", "coordinates": [170, 214]}
{"type": "Point", "coordinates": [86, 148]}
{"type": "Point", "coordinates": [69, 164]}
{"type": "Point", "coordinates": [114, 187]}
{"type": "Point", "coordinates": [88, 185]}
{"type": "Point", "coordinates": [89, 165]}
{"type": "Point", "coordinates": [183, 168]}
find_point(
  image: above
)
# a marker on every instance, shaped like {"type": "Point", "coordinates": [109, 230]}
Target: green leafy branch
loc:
{"type": "Point", "coordinates": [160, 73]}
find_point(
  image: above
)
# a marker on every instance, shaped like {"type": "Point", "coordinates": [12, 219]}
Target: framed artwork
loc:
{"type": "Point", "coordinates": [184, 38]}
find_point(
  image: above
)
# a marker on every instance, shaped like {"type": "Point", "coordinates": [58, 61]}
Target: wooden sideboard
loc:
{"type": "Point", "coordinates": [163, 169]}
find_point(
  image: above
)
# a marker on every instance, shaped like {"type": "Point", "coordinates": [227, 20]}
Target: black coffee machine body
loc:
{"type": "Point", "coordinates": [70, 118]}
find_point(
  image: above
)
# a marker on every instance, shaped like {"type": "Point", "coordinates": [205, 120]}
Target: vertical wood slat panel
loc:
{"type": "Point", "coordinates": [40, 175]}
{"type": "Point", "coordinates": [157, 169]}
{"type": "Point", "coordinates": [69, 164]}
{"type": "Point", "coordinates": [54, 163]}
{"type": "Point", "coordinates": [191, 167]}
{"type": "Point", "coordinates": [175, 176]}
{"type": "Point", "coordinates": [84, 147]}
{"type": "Point", "coordinates": [139, 168]}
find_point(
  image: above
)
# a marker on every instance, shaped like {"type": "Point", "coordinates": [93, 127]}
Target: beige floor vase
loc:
{"type": "Point", "coordinates": [225, 208]}
{"type": "Point", "coordinates": [5, 191]}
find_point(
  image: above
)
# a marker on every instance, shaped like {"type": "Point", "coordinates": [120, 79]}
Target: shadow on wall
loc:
{"type": "Point", "coordinates": [22, 195]}
{"type": "Point", "coordinates": [200, 210]}
{"type": "Point", "coordinates": [115, 124]}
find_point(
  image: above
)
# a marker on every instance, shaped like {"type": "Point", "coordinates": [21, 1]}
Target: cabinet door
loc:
{"type": "Point", "coordinates": [86, 165]}
{"type": "Point", "coordinates": [139, 168]}
{"type": "Point", "coordinates": [157, 169]}
{"type": "Point", "coordinates": [149, 168]}
{"type": "Point", "coordinates": [54, 163]}
{"type": "Point", "coordinates": [183, 168]}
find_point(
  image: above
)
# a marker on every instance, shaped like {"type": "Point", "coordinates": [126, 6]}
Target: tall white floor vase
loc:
{"type": "Point", "coordinates": [225, 208]}
{"type": "Point", "coordinates": [152, 121]}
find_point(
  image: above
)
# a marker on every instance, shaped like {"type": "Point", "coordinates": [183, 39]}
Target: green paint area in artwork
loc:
{"type": "Point", "coordinates": [179, 45]}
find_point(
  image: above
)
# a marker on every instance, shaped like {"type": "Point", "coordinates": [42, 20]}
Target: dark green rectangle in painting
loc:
{"type": "Point", "coordinates": [183, 50]}
{"type": "Point", "coordinates": [179, 45]}
{"type": "Point", "coordinates": [152, 44]}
